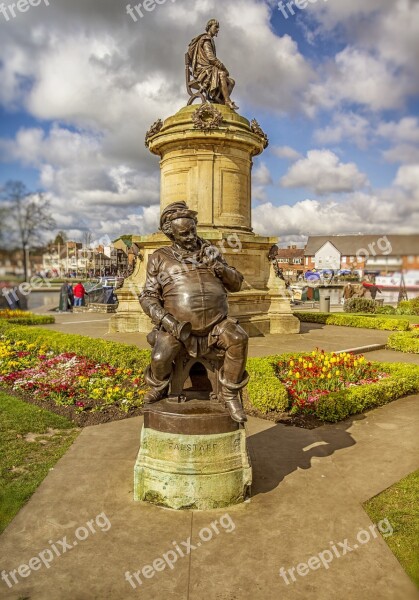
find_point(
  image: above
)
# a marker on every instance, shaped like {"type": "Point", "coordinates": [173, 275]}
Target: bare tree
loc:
{"type": "Point", "coordinates": [29, 215]}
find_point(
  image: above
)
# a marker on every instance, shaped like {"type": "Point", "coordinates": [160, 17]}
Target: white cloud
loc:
{"type": "Point", "coordinates": [359, 77]}
{"type": "Point", "coordinates": [402, 153]}
{"type": "Point", "coordinates": [406, 130]}
{"type": "Point", "coordinates": [103, 79]}
{"type": "Point", "coordinates": [361, 213]}
{"type": "Point", "coordinates": [286, 152]}
{"type": "Point", "coordinates": [390, 210]}
{"type": "Point", "coordinates": [346, 127]}
{"type": "Point", "coordinates": [408, 179]}
{"type": "Point", "coordinates": [322, 173]}
{"type": "Point", "coordinates": [262, 176]}
{"type": "Point", "coordinates": [378, 68]}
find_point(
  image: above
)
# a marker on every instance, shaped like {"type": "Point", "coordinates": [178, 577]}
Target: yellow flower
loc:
{"type": "Point", "coordinates": [313, 353]}
{"type": "Point", "coordinates": [297, 375]}
{"type": "Point", "coordinates": [355, 363]}
{"type": "Point", "coordinates": [300, 359]}
{"type": "Point", "coordinates": [324, 369]}
{"type": "Point", "coordinates": [292, 363]}
{"type": "Point", "coordinates": [322, 376]}
{"type": "Point", "coordinates": [329, 376]}
{"type": "Point", "coordinates": [289, 373]}
{"type": "Point", "coordinates": [338, 372]}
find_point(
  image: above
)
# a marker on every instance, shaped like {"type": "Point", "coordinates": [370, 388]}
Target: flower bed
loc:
{"type": "Point", "coordinates": [309, 377]}
{"type": "Point", "coordinates": [67, 379]}
{"type": "Point", "coordinates": [100, 375]}
{"type": "Point", "coordinates": [304, 390]}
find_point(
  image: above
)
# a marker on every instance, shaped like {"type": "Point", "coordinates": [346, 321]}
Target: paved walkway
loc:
{"type": "Point", "coordinates": [327, 337]}
{"type": "Point", "coordinates": [308, 491]}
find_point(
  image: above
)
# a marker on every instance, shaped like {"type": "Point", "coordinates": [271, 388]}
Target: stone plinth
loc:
{"type": "Point", "coordinates": [192, 456]}
{"type": "Point", "coordinates": [211, 171]}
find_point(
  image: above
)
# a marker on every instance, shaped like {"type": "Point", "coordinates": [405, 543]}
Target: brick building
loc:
{"type": "Point", "coordinates": [367, 254]}
{"type": "Point", "coordinates": [291, 261]}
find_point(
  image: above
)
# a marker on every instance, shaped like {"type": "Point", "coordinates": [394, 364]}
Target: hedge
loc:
{"type": "Point", "coordinates": [407, 341]}
{"type": "Point", "coordinates": [20, 317]}
{"type": "Point", "coordinates": [103, 351]}
{"type": "Point", "coordinates": [403, 380]}
{"type": "Point", "coordinates": [266, 392]}
{"type": "Point", "coordinates": [366, 322]}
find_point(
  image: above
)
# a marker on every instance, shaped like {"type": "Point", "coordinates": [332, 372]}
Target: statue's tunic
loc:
{"type": "Point", "coordinates": [205, 65]}
{"type": "Point", "coordinates": [180, 284]}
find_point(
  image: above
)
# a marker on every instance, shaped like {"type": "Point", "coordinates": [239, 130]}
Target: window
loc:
{"type": "Point", "coordinates": [306, 260]}
{"type": "Point", "coordinates": [344, 258]}
{"type": "Point", "coordinates": [410, 259]}
{"type": "Point", "coordinates": [297, 261]}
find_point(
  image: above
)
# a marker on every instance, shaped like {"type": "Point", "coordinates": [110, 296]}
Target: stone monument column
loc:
{"type": "Point", "coordinates": [206, 157]}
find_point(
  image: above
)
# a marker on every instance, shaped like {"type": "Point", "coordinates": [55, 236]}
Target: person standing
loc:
{"type": "Point", "coordinates": [65, 303]}
{"type": "Point", "coordinates": [70, 295]}
{"type": "Point", "coordinates": [79, 294]}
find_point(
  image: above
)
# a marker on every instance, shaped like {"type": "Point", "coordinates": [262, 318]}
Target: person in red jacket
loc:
{"type": "Point", "coordinates": [79, 293]}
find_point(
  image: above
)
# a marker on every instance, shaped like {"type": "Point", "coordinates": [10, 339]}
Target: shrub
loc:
{"type": "Point", "coordinates": [403, 308]}
{"type": "Point", "coordinates": [408, 307]}
{"type": "Point", "coordinates": [360, 305]}
{"type": "Point", "coordinates": [407, 341]}
{"type": "Point", "coordinates": [21, 317]}
{"type": "Point", "coordinates": [367, 322]}
{"type": "Point", "coordinates": [385, 310]}
{"type": "Point", "coordinates": [103, 351]}
{"type": "Point", "coordinates": [266, 392]}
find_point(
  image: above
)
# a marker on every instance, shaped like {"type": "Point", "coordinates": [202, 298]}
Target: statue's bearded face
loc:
{"type": "Point", "coordinates": [184, 234]}
{"type": "Point", "coordinates": [214, 29]}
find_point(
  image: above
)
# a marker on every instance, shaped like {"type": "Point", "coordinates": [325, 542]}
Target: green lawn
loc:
{"type": "Point", "coordinates": [400, 505]}
{"type": "Point", "coordinates": [25, 459]}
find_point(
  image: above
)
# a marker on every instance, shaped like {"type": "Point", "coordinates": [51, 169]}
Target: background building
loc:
{"type": "Point", "coordinates": [367, 254]}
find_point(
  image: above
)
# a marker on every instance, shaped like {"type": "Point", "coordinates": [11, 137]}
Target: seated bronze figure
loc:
{"type": "Point", "coordinates": [185, 296]}
{"type": "Point", "coordinates": [205, 73]}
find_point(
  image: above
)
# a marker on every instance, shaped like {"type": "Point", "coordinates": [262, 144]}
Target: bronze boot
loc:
{"type": "Point", "coordinates": [158, 389]}
{"type": "Point", "coordinates": [231, 397]}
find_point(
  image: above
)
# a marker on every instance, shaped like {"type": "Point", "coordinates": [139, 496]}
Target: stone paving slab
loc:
{"type": "Point", "coordinates": [307, 492]}
{"type": "Point", "coordinates": [327, 337]}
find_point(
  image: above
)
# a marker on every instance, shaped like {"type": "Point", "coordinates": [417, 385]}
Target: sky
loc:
{"type": "Point", "coordinates": [334, 85]}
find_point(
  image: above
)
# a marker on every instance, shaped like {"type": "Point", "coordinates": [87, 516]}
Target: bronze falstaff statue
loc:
{"type": "Point", "coordinates": [185, 295]}
{"type": "Point", "coordinates": [205, 72]}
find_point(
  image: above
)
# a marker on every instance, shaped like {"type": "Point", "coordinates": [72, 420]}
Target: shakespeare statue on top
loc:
{"type": "Point", "coordinates": [185, 295]}
{"type": "Point", "coordinates": [207, 74]}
